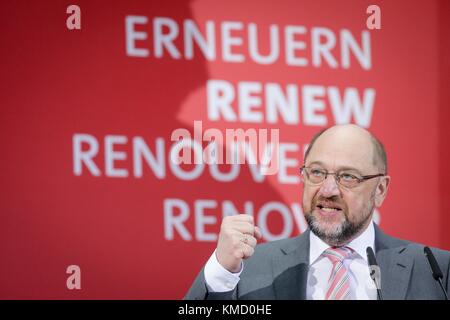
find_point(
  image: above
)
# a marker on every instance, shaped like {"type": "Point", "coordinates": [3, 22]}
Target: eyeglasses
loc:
{"type": "Point", "coordinates": [316, 176]}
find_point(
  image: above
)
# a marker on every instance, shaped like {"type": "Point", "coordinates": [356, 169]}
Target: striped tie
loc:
{"type": "Point", "coordinates": [339, 283]}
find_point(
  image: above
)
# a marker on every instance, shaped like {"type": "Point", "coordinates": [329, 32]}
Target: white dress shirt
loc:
{"type": "Point", "coordinates": [362, 286]}
{"type": "Point", "coordinates": [218, 279]}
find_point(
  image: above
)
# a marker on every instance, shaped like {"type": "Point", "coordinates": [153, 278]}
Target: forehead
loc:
{"type": "Point", "coordinates": [337, 149]}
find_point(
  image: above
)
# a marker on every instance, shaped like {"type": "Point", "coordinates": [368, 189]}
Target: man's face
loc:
{"type": "Point", "coordinates": [334, 213]}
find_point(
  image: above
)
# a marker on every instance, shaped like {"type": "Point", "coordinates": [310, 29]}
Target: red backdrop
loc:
{"type": "Point", "coordinates": [114, 221]}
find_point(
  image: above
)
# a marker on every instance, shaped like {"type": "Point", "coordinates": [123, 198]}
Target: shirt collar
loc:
{"type": "Point", "coordinates": [359, 244]}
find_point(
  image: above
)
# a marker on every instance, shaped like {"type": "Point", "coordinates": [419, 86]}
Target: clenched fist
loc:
{"type": "Point", "coordinates": [236, 241]}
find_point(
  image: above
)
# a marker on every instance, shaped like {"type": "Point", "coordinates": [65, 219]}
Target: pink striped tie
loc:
{"type": "Point", "coordinates": [339, 283]}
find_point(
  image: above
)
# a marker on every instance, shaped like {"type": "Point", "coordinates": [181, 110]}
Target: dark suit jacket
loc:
{"type": "Point", "coordinates": [279, 270]}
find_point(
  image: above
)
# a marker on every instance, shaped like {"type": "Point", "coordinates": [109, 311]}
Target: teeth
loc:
{"type": "Point", "coordinates": [328, 209]}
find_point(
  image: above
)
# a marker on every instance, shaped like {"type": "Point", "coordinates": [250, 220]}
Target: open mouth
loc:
{"type": "Point", "coordinates": [329, 207]}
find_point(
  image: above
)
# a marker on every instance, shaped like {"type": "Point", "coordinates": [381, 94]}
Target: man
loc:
{"type": "Point", "coordinates": [345, 178]}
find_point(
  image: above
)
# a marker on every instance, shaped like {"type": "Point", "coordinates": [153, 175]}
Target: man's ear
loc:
{"type": "Point", "coordinates": [381, 191]}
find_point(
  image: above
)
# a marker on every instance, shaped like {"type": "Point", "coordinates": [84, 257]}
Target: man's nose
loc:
{"type": "Point", "coordinates": [329, 187]}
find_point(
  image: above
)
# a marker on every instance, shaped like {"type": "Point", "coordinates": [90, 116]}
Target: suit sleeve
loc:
{"type": "Point", "coordinates": [447, 287]}
{"type": "Point", "coordinates": [199, 291]}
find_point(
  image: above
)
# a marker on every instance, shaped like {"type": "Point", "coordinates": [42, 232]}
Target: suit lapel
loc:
{"type": "Point", "coordinates": [291, 269]}
{"type": "Point", "coordinates": [395, 266]}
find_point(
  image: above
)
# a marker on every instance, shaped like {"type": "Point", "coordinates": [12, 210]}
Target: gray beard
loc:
{"type": "Point", "coordinates": [343, 233]}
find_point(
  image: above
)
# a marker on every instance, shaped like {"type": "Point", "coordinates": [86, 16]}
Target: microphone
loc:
{"type": "Point", "coordinates": [375, 272]}
{"type": "Point", "coordinates": [435, 270]}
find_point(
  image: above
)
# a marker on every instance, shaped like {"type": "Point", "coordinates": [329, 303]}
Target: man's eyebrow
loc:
{"type": "Point", "coordinates": [349, 169]}
{"type": "Point", "coordinates": [316, 162]}
{"type": "Point", "coordinates": [344, 168]}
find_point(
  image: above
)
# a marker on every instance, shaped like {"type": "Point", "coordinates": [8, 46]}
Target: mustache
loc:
{"type": "Point", "coordinates": [329, 201]}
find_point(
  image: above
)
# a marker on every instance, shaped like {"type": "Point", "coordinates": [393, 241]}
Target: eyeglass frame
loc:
{"type": "Point", "coordinates": [337, 178]}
